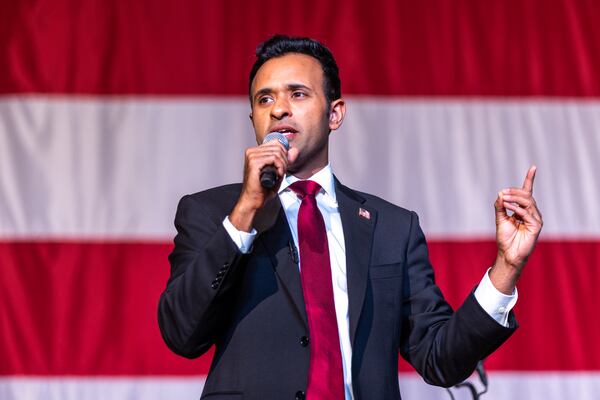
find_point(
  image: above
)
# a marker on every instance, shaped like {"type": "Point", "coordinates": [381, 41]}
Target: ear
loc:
{"type": "Point", "coordinates": [337, 111]}
{"type": "Point", "coordinates": [250, 116]}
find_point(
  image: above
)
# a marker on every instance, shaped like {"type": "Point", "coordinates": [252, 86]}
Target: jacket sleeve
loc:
{"type": "Point", "coordinates": [205, 265]}
{"type": "Point", "coordinates": [442, 345]}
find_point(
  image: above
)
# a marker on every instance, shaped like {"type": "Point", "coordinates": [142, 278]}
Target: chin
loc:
{"type": "Point", "coordinates": [294, 168]}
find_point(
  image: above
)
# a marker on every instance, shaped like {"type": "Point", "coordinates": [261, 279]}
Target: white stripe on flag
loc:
{"type": "Point", "coordinates": [115, 167]}
{"type": "Point", "coordinates": [503, 385]}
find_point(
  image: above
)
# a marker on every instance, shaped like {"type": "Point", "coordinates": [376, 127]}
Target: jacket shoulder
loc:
{"type": "Point", "coordinates": [381, 205]}
{"type": "Point", "coordinates": [219, 200]}
{"type": "Point", "coordinates": [217, 193]}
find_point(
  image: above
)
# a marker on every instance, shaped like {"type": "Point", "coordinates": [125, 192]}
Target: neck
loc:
{"type": "Point", "coordinates": [306, 173]}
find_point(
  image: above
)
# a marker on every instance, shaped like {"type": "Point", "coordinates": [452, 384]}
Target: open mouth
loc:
{"type": "Point", "coordinates": [283, 129]}
{"type": "Point", "coordinates": [288, 134]}
{"type": "Point", "coordinates": [286, 131]}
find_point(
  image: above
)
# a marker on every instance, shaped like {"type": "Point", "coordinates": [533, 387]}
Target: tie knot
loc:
{"type": "Point", "coordinates": [306, 188]}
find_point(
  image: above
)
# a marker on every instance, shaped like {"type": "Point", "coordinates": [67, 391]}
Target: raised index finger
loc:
{"type": "Point", "coordinates": [528, 183]}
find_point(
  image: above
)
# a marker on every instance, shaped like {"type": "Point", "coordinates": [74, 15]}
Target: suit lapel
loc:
{"type": "Point", "coordinates": [358, 222]}
{"type": "Point", "coordinates": [274, 234]}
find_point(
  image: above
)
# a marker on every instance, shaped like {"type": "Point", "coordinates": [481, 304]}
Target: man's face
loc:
{"type": "Point", "coordinates": [288, 97]}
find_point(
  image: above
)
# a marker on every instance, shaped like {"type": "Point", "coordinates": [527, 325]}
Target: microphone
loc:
{"type": "Point", "coordinates": [293, 252]}
{"type": "Point", "coordinates": [268, 175]}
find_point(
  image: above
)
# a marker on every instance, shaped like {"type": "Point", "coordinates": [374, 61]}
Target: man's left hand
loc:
{"type": "Point", "coordinates": [516, 234]}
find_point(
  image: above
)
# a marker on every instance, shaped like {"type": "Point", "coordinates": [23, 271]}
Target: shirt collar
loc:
{"type": "Point", "coordinates": [324, 178]}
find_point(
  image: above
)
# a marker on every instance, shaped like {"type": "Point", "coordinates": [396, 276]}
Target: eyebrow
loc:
{"type": "Point", "coordinates": [296, 86]}
{"type": "Point", "coordinates": [290, 87]}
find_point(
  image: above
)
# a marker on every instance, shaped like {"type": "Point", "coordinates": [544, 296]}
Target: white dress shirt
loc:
{"type": "Point", "coordinates": [495, 303]}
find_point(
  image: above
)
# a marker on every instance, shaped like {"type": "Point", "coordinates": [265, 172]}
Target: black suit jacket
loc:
{"type": "Point", "coordinates": [251, 306]}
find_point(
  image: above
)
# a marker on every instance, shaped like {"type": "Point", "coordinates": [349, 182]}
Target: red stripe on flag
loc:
{"type": "Point", "coordinates": [556, 303]}
{"type": "Point", "coordinates": [384, 47]}
{"type": "Point", "coordinates": [85, 309]}
{"type": "Point", "coordinates": [90, 308]}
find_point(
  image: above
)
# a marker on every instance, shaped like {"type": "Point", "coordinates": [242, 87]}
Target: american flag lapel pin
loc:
{"type": "Point", "coordinates": [364, 213]}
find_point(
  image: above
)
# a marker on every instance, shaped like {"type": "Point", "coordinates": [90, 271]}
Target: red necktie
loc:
{"type": "Point", "coordinates": [325, 374]}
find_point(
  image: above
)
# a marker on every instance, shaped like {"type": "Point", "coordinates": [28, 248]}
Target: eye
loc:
{"type": "Point", "coordinates": [298, 94]}
{"type": "Point", "coordinates": [264, 100]}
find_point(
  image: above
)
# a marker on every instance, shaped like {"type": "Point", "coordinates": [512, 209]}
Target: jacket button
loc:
{"type": "Point", "coordinates": [214, 285]}
{"type": "Point", "coordinates": [300, 395]}
{"type": "Point", "coordinates": [304, 341]}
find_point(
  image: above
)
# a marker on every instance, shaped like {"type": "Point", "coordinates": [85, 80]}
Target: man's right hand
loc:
{"type": "Point", "coordinates": [253, 195]}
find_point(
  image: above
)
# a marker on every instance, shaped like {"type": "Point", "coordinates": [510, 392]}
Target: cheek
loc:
{"type": "Point", "coordinates": [314, 119]}
{"type": "Point", "coordinates": [258, 122]}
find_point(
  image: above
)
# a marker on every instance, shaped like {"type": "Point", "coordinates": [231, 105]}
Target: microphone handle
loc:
{"type": "Point", "coordinates": [268, 177]}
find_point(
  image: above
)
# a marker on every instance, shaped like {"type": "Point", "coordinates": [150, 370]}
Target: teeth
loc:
{"type": "Point", "coordinates": [285, 131]}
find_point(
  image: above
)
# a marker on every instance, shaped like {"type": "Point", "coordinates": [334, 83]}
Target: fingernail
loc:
{"type": "Point", "coordinates": [506, 191]}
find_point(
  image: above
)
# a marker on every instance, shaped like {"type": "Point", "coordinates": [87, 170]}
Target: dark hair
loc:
{"type": "Point", "coordinates": [279, 45]}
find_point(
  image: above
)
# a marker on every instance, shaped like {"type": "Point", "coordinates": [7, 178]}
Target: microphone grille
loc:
{"type": "Point", "coordinates": [279, 137]}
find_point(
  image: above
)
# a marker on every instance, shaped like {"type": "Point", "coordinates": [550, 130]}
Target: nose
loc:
{"type": "Point", "coordinates": [281, 109]}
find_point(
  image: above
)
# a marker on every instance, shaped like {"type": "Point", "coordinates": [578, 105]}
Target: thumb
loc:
{"type": "Point", "coordinates": [292, 155]}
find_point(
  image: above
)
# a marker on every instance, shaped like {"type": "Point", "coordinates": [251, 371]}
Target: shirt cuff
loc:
{"type": "Point", "coordinates": [494, 302]}
{"type": "Point", "coordinates": [243, 240]}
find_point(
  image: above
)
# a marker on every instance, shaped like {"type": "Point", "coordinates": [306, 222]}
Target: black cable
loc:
{"type": "Point", "coordinates": [450, 393]}
{"type": "Point", "coordinates": [482, 375]}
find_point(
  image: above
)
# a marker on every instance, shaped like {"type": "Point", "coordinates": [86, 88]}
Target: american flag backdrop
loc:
{"type": "Point", "coordinates": [112, 110]}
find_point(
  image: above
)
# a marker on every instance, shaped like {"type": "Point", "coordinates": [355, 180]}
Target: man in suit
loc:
{"type": "Point", "coordinates": [310, 289]}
